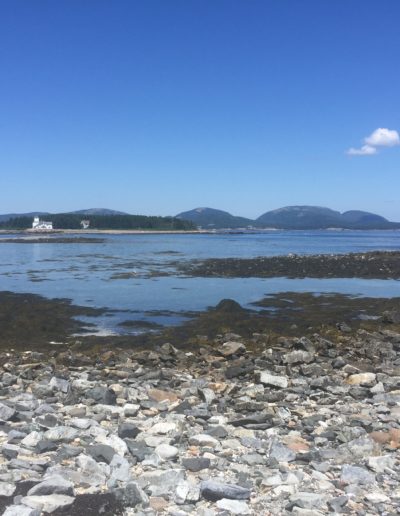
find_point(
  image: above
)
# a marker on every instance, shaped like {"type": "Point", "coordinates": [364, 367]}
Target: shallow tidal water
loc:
{"type": "Point", "coordinates": [126, 274]}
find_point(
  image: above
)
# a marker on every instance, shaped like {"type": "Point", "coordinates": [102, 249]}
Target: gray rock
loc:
{"type": "Point", "coordinates": [356, 475]}
{"type": "Point", "coordinates": [49, 503]}
{"type": "Point", "coordinates": [131, 495]}
{"type": "Point", "coordinates": [306, 500]}
{"type": "Point", "coordinates": [233, 506]}
{"type": "Point", "coordinates": [59, 384]}
{"type": "Point", "coordinates": [21, 510]}
{"type": "Point", "coordinates": [6, 412]}
{"type": "Point", "coordinates": [7, 489]}
{"type": "Point", "coordinates": [266, 378]}
{"type": "Point", "coordinates": [212, 490]}
{"type": "Point", "coordinates": [61, 434]}
{"type": "Point", "coordinates": [53, 485]}
{"type": "Point", "coordinates": [120, 469]}
{"type": "Point", "coordinates": [196, 463]}
{"type": "Point", "coordinates": [101, 452]}
{"type": "Point", "coordinates": [298, 357]}
{"type": "Point", "coordinates": [128, 430]}
{"type": "Point", "coordinates": [281, 453]}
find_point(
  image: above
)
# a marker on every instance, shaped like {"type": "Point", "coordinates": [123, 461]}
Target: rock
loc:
{"type": "Point", "coordinates": [356, 475]}
{"type": "Point", "coordinates": [49, 503]}
{"type": "Point", "coordinates": [61, 434]}
{"type": "Point", "coordinates": [306, 500]}
{"type": "Point", "coordinates": [120, 469]}
{"type": "Point", "coordinates": [102, 395]}
{"type": "Point", "coordinates": [233, 506]}
{"type": "Point", "coordinates": [52, 485]}
{"type": "Point", "coordinates": [266, 378]}
{"type": "Point", "coordinates": [380, 463]}
{"type": "Point", "coordinates": [128, 430]}
{"type": "Point", "coordinates": [196, 464]}
{"type": "Point", "coordinates": [361, 379]}
{"type": "Point", "coordinates": [166, 452]}
{"type": "Point", "coordinates": [298, 357]}
{"type": "Point", "coordinates": [131, 495]}
{"type": "Point", "coordinates": [7, 489]}
{"type": "Point", "coordinates": [101, 453]}
{"type": "Point", "coordinates": [203, 440]}
{"type": "Point", "coordinates": [59, 384]}
{"type": "Point", "coordinates": [232, 348]}
{"type": "Point", "coordinates": [6, 412]}
{"type": "Point", "coordinates": [281, 453]}
{"type": "Point", "coordinates": [213, 490]}
{"type": "Point", "coordinates": [160, 395]}
{"type": "Point", "coordinates": [21, 510]}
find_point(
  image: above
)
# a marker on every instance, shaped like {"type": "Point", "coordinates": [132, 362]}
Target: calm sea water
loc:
{"type": "Point", "coordinates": [95, 274]}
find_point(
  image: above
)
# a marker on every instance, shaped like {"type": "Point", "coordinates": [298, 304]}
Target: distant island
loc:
{"type": "Point", "coordinates": [208, 219]}
{"type": "Point", "coordinates": [289, 217]}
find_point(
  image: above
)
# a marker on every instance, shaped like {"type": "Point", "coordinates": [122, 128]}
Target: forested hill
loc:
{"type": "Point", "coordinates": [73, 221]}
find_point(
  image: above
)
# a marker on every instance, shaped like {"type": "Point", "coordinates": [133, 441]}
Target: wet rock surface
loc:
{"type": "Point", "coordinates": [305, 425]}
{"type": "Point", "coordinates": [377, 264]}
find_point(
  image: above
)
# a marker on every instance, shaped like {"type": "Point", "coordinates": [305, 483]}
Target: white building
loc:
{"type": "Point", "coordinates": [38, 224]}
{"type": "Point", "coordinates": [85, 224]}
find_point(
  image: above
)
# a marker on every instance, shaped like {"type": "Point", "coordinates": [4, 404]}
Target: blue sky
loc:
{"type": "Point", "coordinates": [160, 106]}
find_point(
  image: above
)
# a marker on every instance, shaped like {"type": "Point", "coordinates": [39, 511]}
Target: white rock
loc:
{"type": "Point", "coordinates": [48, 503]}
{"type": "Point", "coordinates": [267, 378]}
{"type": "Point", "coordinates": [166, 452]}
{"type": "Point", "coordinates": [233, 506]}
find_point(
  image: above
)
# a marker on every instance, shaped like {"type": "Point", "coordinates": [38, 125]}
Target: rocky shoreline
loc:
{"type": "Point", "coordinates": [237, 425]}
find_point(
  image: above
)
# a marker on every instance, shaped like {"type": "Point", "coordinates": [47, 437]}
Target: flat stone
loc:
{"type": "Point", "coordinates": [203, 440]}
{"type": "Point", "coordinates": [52, 485]}
{"type": "Point", "coordinates": [266, 378]}
{"type": "Point", "coordinates": [101, 452]}
{"type": "Point", "coordinates": [7, 489]}
{"type": "Point", "coordinates": [128, 430]}
{"type": "Point", "coordinates": [361, 379]}
{"type": "Point", "coordinates": [380, 463]}
{"type": "Point", "coordinates": [166, 452]}
{"type": "Point", "coordinates": [61, 434]}
{"type": "Point", "coordinates": [6, 412]}
{"type": "Point", "coordinates": [232, 348]}
{"type": "Point", "coordinates": [356, 475]}
{"type": "Point", "coordinates": [160, 395]}
{"type": "Point", "coordinates": [212, 490]}
{"type": "Point", "coordinates": [298, 357]}
{"type": "Point", "coordinates": [59, 384]}
{"type": "Point", "coordinates": [196, 463]}
{"type": "Point", "coordinates": [233, 506]}
{"type": "Point", "coordinates": [49, 503]}
{"type": "Point", "coordinates": [120, 469]}
{"type": "Point", "coordinates": [21, 510]}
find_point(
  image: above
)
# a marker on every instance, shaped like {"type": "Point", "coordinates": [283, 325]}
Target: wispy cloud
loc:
{"type": "Point", "coordinates": [365, 150]}
{"type": "Point", "coordinates": [381, 137]}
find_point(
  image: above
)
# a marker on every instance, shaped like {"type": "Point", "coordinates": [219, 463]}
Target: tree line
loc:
{"type": "Point", "coordinates": [73, 221]}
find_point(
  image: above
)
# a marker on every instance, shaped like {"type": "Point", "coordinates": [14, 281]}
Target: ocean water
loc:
{"type": "Point", "coordinates": [124, 274]}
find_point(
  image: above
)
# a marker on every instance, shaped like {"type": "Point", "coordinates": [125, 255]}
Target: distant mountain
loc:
{"type": "Point", "coordinates": [208, 218]}
{"type": "Point", "coordinates": [315, 217]}
{"type": "Point", "coordinates": [98, 211]}
{"type": "Point", "coordinates": [290, 217]}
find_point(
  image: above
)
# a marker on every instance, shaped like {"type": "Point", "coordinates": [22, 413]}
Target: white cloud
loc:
{"type": "Point", "coordinates": [366, 150]}
{"type": "Point", "coordinates": [381, 137]}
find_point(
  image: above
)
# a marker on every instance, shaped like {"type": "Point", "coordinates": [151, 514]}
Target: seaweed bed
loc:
{"type": "Point", "coordinates": [376, 264]}
{"type": "Point", "coordinates": [29, 321]}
